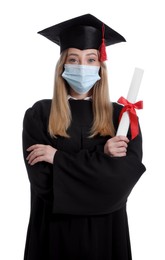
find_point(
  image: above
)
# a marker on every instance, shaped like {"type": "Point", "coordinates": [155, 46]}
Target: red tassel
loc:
{"type": "Point", "coordinates": [102, 49]}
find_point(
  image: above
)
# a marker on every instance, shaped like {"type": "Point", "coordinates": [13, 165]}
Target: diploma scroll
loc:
{"type": "Point", "coordinates": [131, 97]}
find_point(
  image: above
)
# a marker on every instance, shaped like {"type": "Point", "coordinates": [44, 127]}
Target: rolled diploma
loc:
{"type": "Point", "coordinates": [131, 97]}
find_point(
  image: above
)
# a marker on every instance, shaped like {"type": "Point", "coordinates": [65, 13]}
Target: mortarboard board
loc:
{"type": "Point", "coordinates": [82, 32]}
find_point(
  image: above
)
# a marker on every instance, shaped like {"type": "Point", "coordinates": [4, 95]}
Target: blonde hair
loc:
{"type": "Point", "coordinates": [60, 114]}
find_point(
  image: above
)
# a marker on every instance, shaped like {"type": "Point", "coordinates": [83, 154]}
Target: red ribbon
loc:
{"type": "Point", "coordinates": [130, 108]}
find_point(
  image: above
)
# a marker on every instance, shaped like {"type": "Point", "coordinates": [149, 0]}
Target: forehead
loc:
{"type": "Point", "coordinates": [75, 51]}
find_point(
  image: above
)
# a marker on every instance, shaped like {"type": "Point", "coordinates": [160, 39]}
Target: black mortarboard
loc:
{"type": "Point", "coordinates": [82, 32]}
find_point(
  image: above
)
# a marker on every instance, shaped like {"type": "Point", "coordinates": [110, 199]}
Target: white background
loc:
{"type": "Point", "coordinates": [27, 63]}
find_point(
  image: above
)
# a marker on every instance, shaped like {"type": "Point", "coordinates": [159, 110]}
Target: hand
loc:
{"type": "Point", "coordinates": [116, 146]}
{"type": "Point", "coordinates": [40, 153]}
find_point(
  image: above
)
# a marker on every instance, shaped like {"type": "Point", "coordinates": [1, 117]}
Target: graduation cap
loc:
{"type": "Point", "coordinates": [83, 32]}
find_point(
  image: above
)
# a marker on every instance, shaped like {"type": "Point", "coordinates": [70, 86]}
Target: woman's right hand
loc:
{"type": "Point", "coordinates": [116, 146]}
{"type": "Point", "coordinates": [40, 153]}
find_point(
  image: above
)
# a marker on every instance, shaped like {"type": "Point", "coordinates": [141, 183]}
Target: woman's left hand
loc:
{"type": "Point", "coordinates": [40, 153]}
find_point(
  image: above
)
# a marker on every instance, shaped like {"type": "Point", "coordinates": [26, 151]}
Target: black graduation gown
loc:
{"type": "Point", "coordinates": [78, 204]}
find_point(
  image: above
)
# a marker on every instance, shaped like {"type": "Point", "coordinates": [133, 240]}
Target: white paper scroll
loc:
{"type": "Point", "coordinates": [131, 97]}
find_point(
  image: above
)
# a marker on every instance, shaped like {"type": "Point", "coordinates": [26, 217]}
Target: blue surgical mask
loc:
{"type": "Point", "coordinates": [81, 78]}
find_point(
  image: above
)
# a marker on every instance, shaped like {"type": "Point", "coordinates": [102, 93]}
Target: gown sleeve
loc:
{"type": "Point", "coordinates": [40, 174]}
{"type": "Point", "coordinates": [94, 183]}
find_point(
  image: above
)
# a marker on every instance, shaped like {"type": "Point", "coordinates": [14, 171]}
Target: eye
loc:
{"type": "Point", "coordinates": [91, 60]}
{"type": "Point", "coordinates": [72, 60]}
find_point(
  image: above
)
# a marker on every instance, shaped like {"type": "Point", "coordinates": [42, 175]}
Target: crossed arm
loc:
{"type": "Point", "coordinates": [114, 147]}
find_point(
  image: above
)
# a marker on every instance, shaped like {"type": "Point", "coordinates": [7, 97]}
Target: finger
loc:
{"type": "Point", "coordinates": [34, 154]}
{"type": "Point", "coordinates": [118, 151]}
{"type": "Point", "coordinates": [121, 154]}
{"type": "Point", "coordinates": [121, 151]}
{"type": "Point", "coordinates": [121, 144]}
{"type": "Point", "coordinates": [117, 146]}
{"type": "Point", "coordinates": [34, 151]}
{"type": "Point", "coordinates": [36, 160]}
{"type": "Point", "coordinates": [35, 146]}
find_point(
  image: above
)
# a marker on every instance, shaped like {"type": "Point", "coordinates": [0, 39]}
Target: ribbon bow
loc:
{"type": "Point", "coordinates": [130, 108]}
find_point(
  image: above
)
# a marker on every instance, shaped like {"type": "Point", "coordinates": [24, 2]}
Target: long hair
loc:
{"type": "Point", "coordinates": [60, 114]}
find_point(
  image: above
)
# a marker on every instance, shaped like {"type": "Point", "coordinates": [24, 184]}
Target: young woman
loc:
{"type": "Point", "coordinates": [80, 173]}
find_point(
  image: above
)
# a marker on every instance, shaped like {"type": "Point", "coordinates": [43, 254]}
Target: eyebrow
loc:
{"type": "Point", "coordinates": [88, 54]}
{"type": "Point", "coordinates": [72, 54]}
{"type": "Point", "coordinates": [91, 53]}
